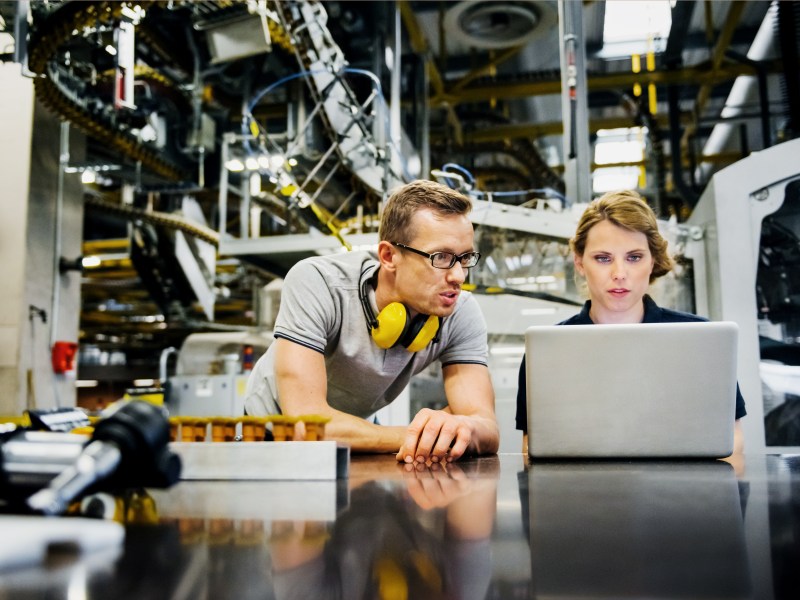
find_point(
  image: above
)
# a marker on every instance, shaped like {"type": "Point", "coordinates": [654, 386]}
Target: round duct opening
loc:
{"type": "Point", "coordinates": [497, 23]}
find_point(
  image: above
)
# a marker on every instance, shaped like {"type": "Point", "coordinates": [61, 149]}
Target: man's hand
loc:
{"type": "Point", "coordinates": [436, 436]}
{"type": "Point", "coordinates": [467, 424]}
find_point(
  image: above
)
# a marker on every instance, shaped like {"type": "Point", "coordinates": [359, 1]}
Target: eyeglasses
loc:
{"type": "Point", "coordinates": [445, 260]}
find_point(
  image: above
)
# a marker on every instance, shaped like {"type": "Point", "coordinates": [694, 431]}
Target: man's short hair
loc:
{"type": "Point", "coordinates": [397, 223]}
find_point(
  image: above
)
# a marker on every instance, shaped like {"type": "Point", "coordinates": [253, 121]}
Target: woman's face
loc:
{"type": "Point", "coordinates": [616, 264]}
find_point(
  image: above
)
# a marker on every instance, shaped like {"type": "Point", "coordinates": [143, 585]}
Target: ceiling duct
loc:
{"type": "Point", "coordinates": [238, 35]}
{"type": "Point", "coordinates": [498, 24]}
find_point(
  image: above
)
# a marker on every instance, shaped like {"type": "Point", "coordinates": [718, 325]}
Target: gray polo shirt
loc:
{"type": "Point", "coordinates": [321, 309]}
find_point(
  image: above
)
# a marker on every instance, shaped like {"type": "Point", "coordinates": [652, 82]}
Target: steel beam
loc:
{"type": "Point", "coordinates": [717, 56]}
{"type": "Point", "coordinates": [610, 81]}
{"type": "Point", "coordinates": [537, 130]}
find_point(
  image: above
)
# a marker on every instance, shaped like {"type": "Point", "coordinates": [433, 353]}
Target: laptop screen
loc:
{"type": "Point", "coordinates": [637, 390]}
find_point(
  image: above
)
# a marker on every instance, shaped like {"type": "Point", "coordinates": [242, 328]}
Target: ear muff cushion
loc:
{"type": "Point", "coordinates": [421, 332]}
{"type": "Point", "coordinates": [392, 323]}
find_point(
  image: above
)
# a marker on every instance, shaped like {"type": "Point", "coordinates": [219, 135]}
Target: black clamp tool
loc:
{"type": "Point", "coordinates": [129, 448]}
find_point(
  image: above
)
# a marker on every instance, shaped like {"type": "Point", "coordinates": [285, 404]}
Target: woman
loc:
{"type": "Point", "coordinates": [619, 251]}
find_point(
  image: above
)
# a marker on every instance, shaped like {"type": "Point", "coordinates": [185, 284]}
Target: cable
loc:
{"type": "Point", "coordinates": [463, 175]}
{"type": "Point", "coordinates": [247, 117]}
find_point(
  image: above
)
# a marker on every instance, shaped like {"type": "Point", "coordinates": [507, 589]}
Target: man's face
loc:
{"type": "Point", "coordinates": [419, 285]}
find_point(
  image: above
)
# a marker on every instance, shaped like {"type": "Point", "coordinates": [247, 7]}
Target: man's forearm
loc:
{"type": "Point", "coordinates": [363, 436]}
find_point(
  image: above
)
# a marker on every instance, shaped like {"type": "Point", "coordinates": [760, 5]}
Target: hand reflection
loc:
{"type": "Point", "coordinates": [435, 485]}
{"type": "Point", "coordinates": [469, 502]}
{"type": "Point", "coordinates": [420, 531]}
{"type": "Point", "coordinates": [294, 543]}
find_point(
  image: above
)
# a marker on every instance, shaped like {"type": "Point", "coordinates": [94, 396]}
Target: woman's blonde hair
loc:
{"type": "Point", "coordinates": [628, 210]}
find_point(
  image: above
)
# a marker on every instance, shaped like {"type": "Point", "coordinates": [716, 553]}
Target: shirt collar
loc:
{"type": "Point", "coordinates": [652, 312]}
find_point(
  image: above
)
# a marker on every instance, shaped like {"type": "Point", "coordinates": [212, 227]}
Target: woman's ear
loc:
{"type": "Point", "coordinates": [578, 260]}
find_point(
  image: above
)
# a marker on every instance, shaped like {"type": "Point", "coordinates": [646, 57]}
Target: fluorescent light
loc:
{"type": "Point", "coordinates": [235, 165]}
{"type": "Point", "coordinates": [88, 177]}
{"type": "Point", "coordinates": [617, 178]}
{"type": "Point", "coordinates": [86, 383]}
{"type": "Point", "coordinates": [144, 382]}
{"type": "Point", "coordinates": [90, 261]}
{"type": "Point", "coordinates": [618, 146]}
{"type": "Point", "coordinates": [635, 27]}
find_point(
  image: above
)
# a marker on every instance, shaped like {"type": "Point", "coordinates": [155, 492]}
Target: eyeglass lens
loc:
{"type": "Point", "coordinates": [445, 260]}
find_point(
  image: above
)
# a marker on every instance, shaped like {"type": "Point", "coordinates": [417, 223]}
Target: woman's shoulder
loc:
{"type": "Point", "coordinates": [578, 319]}
{"type": "Point", "coordinates": [657, 314]}
{"type": "Point", "coordinates": [676, 316]}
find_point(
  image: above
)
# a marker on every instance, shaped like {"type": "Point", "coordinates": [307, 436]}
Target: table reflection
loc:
{"type": "Point", "coordinates": [423, 535]}
{"type": "Point", "coordinates": [654, 530]}
{"type": "Point", "coordinates": [469, 530]}
{"type": "Point", "coordinates": [390, 530]}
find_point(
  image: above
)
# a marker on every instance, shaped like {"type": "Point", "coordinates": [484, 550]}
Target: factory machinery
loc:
{"type": "Point", "coordinates": [260, 105]}
{"type": "Point", "coordinates": [250, 136]}
{"type": "Point", "coordinates": [169, 121]}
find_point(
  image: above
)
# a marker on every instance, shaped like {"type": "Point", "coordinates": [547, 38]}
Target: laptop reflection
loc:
{"type": "Point", "coordinates": [637, 530]}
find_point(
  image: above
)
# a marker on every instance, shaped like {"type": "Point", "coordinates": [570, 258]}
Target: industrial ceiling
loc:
{"type": "Point", "coordinates": [340, 101]}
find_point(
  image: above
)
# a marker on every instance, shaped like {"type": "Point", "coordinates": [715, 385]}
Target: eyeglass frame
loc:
{"type": "Point", "coordinates": [453, 257]}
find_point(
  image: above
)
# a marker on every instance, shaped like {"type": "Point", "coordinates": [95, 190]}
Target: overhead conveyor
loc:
{"type": "Point", "coordinates": [358, 147]}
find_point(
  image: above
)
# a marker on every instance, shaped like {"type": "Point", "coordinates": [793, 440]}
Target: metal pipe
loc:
{"type": "Point", "coordinates": [742, 89]}
{"type": "Point", "coordinates": [574, 101]}
{"type": "Point", "coordinates": [223, 187]}
{"type": "Point", "coordinates": [162, 363]}
{"type": "Point", "coordinates": [63, 162]}
{"type": "Point", "coordinates": [689, 195]}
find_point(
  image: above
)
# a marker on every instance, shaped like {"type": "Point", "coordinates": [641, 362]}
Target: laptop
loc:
{"type": "Point", "coordinates": [660, 390]}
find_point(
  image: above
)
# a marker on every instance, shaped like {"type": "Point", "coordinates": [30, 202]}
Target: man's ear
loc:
{"type": "Point", "coordinates": [386, 255]}
{"type": "Point", "coordinates": [578, 260]}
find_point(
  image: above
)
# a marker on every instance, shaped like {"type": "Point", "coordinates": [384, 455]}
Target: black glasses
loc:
{"type": "Point", "coordinates": [445, 260]}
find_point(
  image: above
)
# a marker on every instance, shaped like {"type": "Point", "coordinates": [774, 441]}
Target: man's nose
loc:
{"type": "Point", "coordinates": [457, 273]}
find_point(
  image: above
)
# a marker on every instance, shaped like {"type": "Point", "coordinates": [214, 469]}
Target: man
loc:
{"type": "Point", "coordinates": [352, 330]}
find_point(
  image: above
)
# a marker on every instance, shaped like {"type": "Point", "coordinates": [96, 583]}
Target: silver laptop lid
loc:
{"type": "Point", "coordinates": [639, 390]}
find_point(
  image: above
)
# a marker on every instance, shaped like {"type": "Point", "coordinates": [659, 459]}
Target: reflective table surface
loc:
{"type": "Point", "coordinates": [493, 527]}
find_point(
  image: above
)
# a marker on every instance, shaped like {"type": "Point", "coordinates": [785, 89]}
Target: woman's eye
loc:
{"type": "Point", "coordinates": [602, 259]}
{"type": "Point", "coordinates": [635, 257]}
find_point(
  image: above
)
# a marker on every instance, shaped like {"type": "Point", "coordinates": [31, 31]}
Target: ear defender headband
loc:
{"type": "Point", "coordinates": [392, 327]}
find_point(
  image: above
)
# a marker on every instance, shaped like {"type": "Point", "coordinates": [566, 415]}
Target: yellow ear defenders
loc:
{"type": "Point", "coordinates": [392, 327]}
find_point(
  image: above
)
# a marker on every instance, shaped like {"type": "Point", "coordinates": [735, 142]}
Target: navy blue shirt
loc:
{"type": "Point", "coordinates": [653, 313]}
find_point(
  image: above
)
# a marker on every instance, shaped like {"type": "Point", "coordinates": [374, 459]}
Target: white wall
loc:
{"type": "Point", "coordinates": [16, 126]}
{"type": "Point", "coordinates": [32, 191]}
